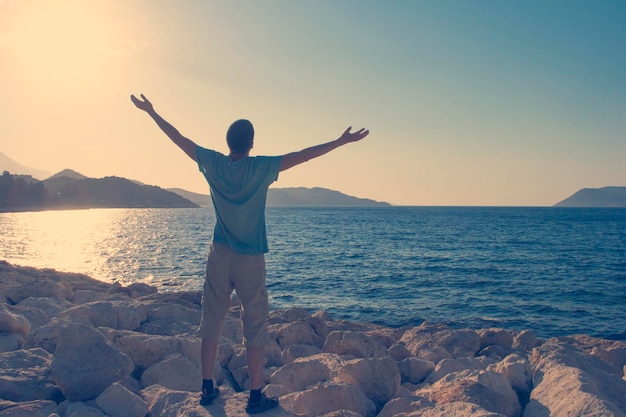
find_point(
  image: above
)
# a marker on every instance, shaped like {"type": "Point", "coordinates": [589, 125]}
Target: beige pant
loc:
{"type": "Point", "coordinates": [227, 271]}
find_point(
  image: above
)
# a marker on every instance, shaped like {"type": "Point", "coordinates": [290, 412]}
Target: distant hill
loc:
{"type": "Point", "coordinates": [8, 164]}
{"type": "Point", "coordinates": [62, 180]}
{"type": "Point", "coordinates": [316, 197]}
{"type": "Point", "coordinates": [111, 192]}
{"type": "Point", "coordinates": [77, 191]}
{"type": "Point", "coordinates": [295, 197]}
{"type": "Point", "coordinates": [596, 197]}
{"type": "Point", "coordinates": [69, 188]}
{"type": "Point", "coordinates": [203, 200]}
{"type": "Point", "coordinates": [69, 173]}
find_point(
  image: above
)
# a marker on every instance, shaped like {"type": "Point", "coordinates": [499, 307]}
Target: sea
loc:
{"type": "Point", "coordinates": [555, 271]}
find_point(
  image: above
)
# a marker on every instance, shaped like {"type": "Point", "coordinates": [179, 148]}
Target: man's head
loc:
{"type": "Point", "coordinates": [240, 137]}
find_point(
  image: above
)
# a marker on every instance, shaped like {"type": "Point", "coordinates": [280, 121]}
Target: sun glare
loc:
{"type": "Point", "coordinates": [60, 42]}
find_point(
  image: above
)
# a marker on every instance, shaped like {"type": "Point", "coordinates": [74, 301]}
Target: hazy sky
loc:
{"type": "Point", "coordinates": [468, 102]}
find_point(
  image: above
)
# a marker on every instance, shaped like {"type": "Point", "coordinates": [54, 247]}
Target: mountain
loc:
{"type": "Point", "coordinates": [62, 180]}
{"type": "Point", "coordinates": [203, 200]}
{"type": "Point", "coordinates": [596, 197]}
{"type": "Point", "coordinates": [294, 197]}
{"type": "Point", "coordinates": [68, 173]}
{"type": "Point", "coordinates": [8, 164]}
{"type": "Point", "coordinates": [111, 192]}
{"type": "Point", "coordinates": [69, 188]}
{"type": "Point", "coordinates": [74, 190]}
{"type": "Point", "coordinates": [316, 197]}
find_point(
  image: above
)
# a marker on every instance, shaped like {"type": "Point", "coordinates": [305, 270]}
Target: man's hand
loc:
{"type": "Point", "coordinates": [348, 136]}
{"type": "Point", "coordinates": [295, 158]}
{"type": "Point", "coordinates": [187, 145]}
{"type": "Point", "coordinates": [144, 104]}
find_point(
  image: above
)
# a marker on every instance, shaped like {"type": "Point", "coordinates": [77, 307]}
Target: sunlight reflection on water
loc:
{"type": "Point", "coordinates": [112, 245]}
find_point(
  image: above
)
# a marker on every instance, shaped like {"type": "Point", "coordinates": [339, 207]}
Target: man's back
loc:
{"type": "Point", "coordinates": [239, 191]}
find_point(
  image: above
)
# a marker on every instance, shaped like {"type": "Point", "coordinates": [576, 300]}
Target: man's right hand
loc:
{"type": "Point", "coordinates": [143, 104]}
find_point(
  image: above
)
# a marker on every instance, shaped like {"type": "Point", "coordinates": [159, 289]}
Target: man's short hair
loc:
{"type": "Point", "coordinates": [240, 136]}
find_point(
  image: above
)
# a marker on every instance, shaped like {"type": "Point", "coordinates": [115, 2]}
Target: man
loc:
{"type": "Point", "coordinates": [239, 184]}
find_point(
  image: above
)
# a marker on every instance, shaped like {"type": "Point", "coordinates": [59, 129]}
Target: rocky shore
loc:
{"type": "Point", "coordinates": [72, 346]}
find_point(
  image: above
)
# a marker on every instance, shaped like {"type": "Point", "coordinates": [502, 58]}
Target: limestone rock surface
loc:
{"type": "Point", "coordinates": [71, 346]}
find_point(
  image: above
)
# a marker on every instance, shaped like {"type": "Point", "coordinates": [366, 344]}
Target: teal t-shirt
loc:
{"type": "Point", "coordinates": [239, 192]}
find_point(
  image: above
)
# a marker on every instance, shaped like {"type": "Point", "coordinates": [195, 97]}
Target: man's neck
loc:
{"type": "Point", "coordinates": [236, 157]}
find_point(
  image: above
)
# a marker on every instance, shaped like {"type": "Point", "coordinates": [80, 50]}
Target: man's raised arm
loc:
{"type": "Point", "coordinates": [187, 145]}
{"type": "Point", "coordinates": [295, 158]}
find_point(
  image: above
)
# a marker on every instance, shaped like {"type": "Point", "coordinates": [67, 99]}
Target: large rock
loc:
{"type": "Point", "coordinates": [166, 327]}
{"type": "Point", "coordinates": [404, 406]}
{"type": "Point", "coordinates": [415, 370]}
{"type": "Point", "coordinates": [301, 374]}
{"type": "Point", "coordinates": [571, 382]}
{"type": "Point", "coordinates": [399, 352]}
{"type": "Point", "coordinates": [353, 343]}
{"type": "Point", "coordinates": [117, 401]}
{"type": "Point", "coordinates": [295, 332]}
{"type": "Point", "coordinates": [518, 371]}
{"type": "Point", "coordinates": [378, 378]}
{"type": "Point", "coordinates": [495, 343]}
{"type": "Point", "coordinates": [489, 390]}
{"type": "Point", "coordinates": [88, 296]}
{"type": "Point", "coordinates": [175, 372]}
{"type": "Point", "coordinates": [85, 363]}
{"type": "Point", "coordinates": [18, 283]}
{"type": "Point", "coordinates": [288, 315]}
{"type": "Point", "coordinates": [327, 397]}
{"type": "Point", "coordinates": [41, 310]}
{"type": "Point", "coordinates": [525, 341]}
{"type": "Point", "coordinates": [455, 409]}
{"type": "Point", "coordinates": [11, 322]}
{"type": "Point", "coordinates": [141, 289]}
{"type": "Point", "coordinates": [47, 336]}
{"type": "Point", "coordinates": [436, 342]}
{"type": "Point", "coordinates": [122, 315]}
{"type": "Point", "coordinates": [386, 336]}
{"type": "Point", "coordinates": [332, 361]}
{"type": "Point", "coordinates": [37, 408]}
{"type": "Point", "coordinates": [163, 402]}
{"type": "Point", "coordinates": [51, 307]}
{"type": "Point", "coordinates": [25, 376]}
{"type": "Point", "coordinates": [170, 319]}
{"type": "Point", "coordinates": [449, 365]}
{"type": "Point", "coordinates": [79, 409]}
{"type": "Point", "coordinates": [191, 299]}
{"type": "Point", "coordinates": [317, 321]}
{"type": "Point", "coordinates": [612, 352]}
{"type": "Point", "coordinates": [497, 337]}
{"type": "Point", "coordinates": [342, 413]}
{"type": "Point", "coordinates": [145, 350]}
{"type": "Point", "coordinates": [293, 352]}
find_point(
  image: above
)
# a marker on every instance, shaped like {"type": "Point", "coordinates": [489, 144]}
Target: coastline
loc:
{"type": "Point", "coordinates": [71, 345]}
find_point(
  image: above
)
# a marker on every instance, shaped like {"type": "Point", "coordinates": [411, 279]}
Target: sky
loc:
{"type": "Point", "coordinates": [469, 103]}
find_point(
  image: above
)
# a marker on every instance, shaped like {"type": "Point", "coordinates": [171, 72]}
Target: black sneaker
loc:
{"type": "Point", "coordinates": [264, 404]}
{"type": "Point", "coordinates": [207, 397]}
